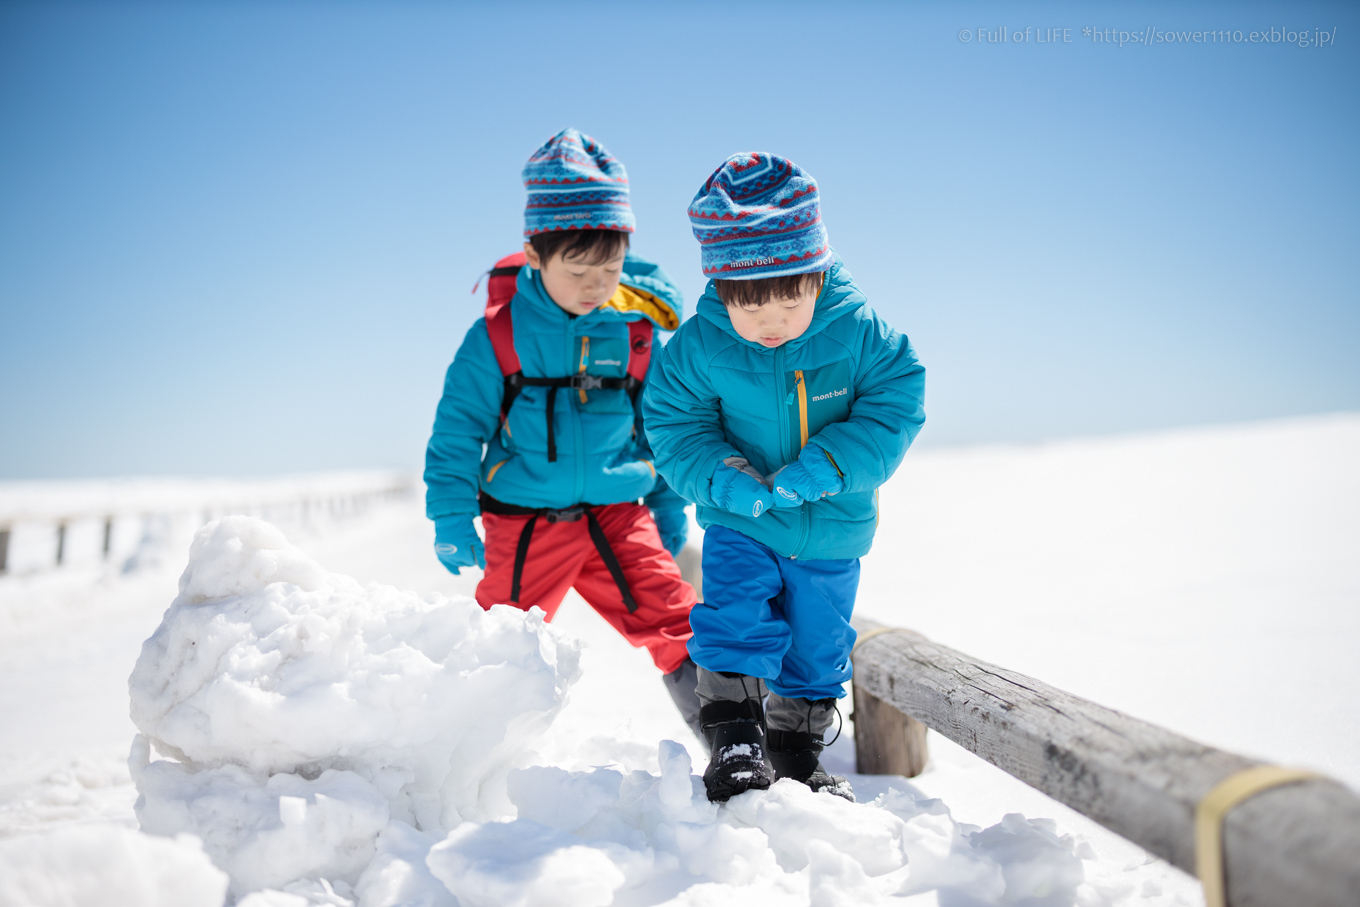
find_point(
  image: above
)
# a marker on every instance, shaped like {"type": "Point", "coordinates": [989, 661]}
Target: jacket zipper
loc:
{"type": "Point", "coordinates": [576, 433]}
{"type": "Point", "coordinates": [585, 359]}
{"type": "Point", "coordinates": [804, 517]}
{"type": "Point", "coordinates": [802, 410]}
{"type": "Point", "coordinates": [782, 395]}
{"type": "Point", "coordinates": [785, 448]}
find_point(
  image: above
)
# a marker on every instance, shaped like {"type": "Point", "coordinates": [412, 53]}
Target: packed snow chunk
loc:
{"type": "Point", "coordinates": [793, 817]}
{"type": "Point", "coordinates": [561, 799]}
{"type": "Point", "coordinates": [265, 831]}
{"type": "Point", "coordinates": [98, 865]}
{"type": "Point", "coordinates": [523, 864]}
{"type": "Point", "coordinates": [837, 880]}
{"type": "Point", "coordinates": [939, 851]}
{"type": "Point", "coordinates": [303, 893]}
{"type": "Point", "coordinates": [398, 875]}
{"type": "Point", "coordinates": [1017, 861]}
{"type": "Point", "coordinates": [724, 853]}
{"type": "Point", "coordinates": [1039, 866]}
{"type": "Point", "coordinates": [266, 662]}
{"type": "Point", "coordinates": [239, 555]}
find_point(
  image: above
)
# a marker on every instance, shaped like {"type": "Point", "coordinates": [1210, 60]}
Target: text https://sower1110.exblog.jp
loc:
{"type": "Point", "coordinates": [1150, 36]}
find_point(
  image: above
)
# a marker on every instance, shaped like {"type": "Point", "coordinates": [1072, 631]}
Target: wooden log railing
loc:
{"type": "Point", "coordinates": [1297, 844]}
{"type": "Point", "coordinates": [65, 529]}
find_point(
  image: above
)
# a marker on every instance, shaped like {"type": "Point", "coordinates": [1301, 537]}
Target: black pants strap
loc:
{"type": "Point", "coordinates": [521, 553]}
{"type": "Point", "coordinates": [607, 554]}
{"type": "Point", "coordinates": [552, 436]}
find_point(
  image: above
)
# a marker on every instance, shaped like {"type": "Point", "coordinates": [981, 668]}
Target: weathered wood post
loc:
{"type": "Point", "coordinates": [887, 742]}
{"type": "Point", "coordinates": [1293, 841]}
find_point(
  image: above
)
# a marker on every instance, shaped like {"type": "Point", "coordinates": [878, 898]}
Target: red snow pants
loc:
{"type": "Point", "coordinates": [562, 556]}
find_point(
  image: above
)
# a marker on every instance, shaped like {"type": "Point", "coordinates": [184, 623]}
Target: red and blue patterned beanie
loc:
{"type": "Point", "coordinates": [759, 215]}
{"type": "Point", "coordinates": [575, 184]}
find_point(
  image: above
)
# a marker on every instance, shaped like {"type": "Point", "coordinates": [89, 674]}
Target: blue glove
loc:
{"type": "Point", "coordinates": [809, 478]}
{"type": "Point", "coordinates": [738, 491]}
{"type": "Point", "coordinates": [674, 528]}
{"type": "Point", "coordinates": [785, 497]}
{"type": "Point", "coordinates": [456, 543]}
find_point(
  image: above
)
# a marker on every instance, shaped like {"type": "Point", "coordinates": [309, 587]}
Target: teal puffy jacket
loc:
{"type": "Point", "coordinates": [850, 384]}
{"type": "Point", "coordinates": [602, 453]}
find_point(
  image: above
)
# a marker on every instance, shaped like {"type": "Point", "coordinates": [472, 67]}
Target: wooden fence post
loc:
{"type": "Point", "coordinates": [887, 742]}
{"type": "Point", "coordinates": [1292, 845]}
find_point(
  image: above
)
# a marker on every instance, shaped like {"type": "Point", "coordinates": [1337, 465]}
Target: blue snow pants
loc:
{"type": "Point", "coordinates": [783, 620]}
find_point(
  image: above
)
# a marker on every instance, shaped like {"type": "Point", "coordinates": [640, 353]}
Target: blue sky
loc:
{"type": "Point", "coordinates": [240, 238]}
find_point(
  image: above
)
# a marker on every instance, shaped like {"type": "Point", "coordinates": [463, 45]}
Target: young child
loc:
{"type": "Point", "coordinates": [550, 450]}
{"type": "Point", "coordinates": [780, 409]}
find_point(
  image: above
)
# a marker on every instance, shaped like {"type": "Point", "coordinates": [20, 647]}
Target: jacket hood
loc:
{"type": "Point", "coordinates": [839, 297]}
{"type": "Point", "coordinates": [645, 291]}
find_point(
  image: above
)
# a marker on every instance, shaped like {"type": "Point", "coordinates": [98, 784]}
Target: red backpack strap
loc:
{"type": "Point", "coordinates": [500, 289]}
{"type": "Point", "coordinates": [640, 335]}
{"type": "Point", "coordinates": [502, 333]}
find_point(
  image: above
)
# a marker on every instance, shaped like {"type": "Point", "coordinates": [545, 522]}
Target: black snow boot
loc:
{"type": "Point", "coordinates": [797, 755]}
{"type": "Point", "coordinates": [682, 684]}
{"type": "Point", "coordinates": [736, 740]}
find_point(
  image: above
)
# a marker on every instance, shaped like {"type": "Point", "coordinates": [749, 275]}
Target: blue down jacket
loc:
{"type": "Point", "coordinates": [850, 384]}
{"type": "Point", "coordinates": [602, 453]}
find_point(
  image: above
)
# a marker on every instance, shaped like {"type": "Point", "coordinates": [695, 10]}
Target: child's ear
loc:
{"type": "Point", "coordinates": [534, 261]}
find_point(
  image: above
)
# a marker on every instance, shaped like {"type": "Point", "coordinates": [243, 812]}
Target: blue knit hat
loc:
{"type": "Point", "coordinates": [759, 215]}
{"type": "Point", "coordinates": [575, 184]}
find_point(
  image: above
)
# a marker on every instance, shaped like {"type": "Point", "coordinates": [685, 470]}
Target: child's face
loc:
{"type": "Point", "coordinates": [577, 288]}
{"type": "Point", "coordinates": [777, 321]}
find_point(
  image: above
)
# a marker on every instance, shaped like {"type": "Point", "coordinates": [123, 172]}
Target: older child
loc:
{"type": "Point", "coordinates": [780, 409]}
{"type": "Point", "coordinates": [539, 427]}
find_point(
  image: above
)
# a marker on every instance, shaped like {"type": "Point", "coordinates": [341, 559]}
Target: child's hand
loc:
{"type": "Point", "coordinates": [456, 543]}
{"type": "Point", "coordinates": [809, 478]}
{"type": "Point", "coordinates": [784, 495]}
{"type": "Point", "coordinates": [737, 490]}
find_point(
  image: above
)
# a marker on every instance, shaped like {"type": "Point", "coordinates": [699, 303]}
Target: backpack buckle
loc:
{"type": "Point", "coordinates": [570, 515]}
{"type": "Point", "coordinates": [587, 382]}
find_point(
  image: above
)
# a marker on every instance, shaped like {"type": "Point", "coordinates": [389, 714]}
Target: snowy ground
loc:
{"type": "Point", "coordinates": [1205, 580]}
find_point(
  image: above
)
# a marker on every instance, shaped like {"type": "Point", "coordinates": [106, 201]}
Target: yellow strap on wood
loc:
{"type": "Point", "coordinates": [863, 638]}
{"type": "Point", "coordinates": [1214, 808]}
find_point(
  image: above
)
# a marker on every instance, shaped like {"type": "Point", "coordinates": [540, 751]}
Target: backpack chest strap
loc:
{"type": "Point", "coordinates": [579, 381]}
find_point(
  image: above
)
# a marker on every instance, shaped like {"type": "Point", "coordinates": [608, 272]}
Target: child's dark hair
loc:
{"type": "Point", "coordinates": [590, 247]}
{"type": "Point", "coordinates": [751, 294]}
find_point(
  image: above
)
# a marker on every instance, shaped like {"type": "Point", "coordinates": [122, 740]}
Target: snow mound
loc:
{"type": "Point", "coordinates": [305, 712]}
{"type": "Point", "coordinates": [98, 865]}
{"type": "Point", "coordinates": [604, 836]}
{"type": "Point", "coordinates": [356, 746]}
